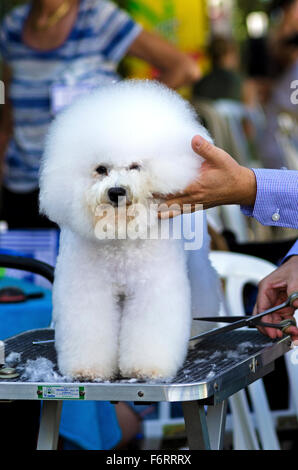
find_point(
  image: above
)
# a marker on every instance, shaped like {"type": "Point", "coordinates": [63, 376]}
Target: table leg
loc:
{"type": "Point", "coordinates": [216, 421]}
{"type": "Point", "coordinates": [49, 425]}
{"type": "Point", "coordinates": [244, 433]}
{"type": "Point", "coordinates": [205, 432]}
{"type": "Point", "coordinates": [196, 425]}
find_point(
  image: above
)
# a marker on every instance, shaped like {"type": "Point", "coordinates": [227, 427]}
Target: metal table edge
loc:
{"type": "Point", "coordinates": [148, 392]}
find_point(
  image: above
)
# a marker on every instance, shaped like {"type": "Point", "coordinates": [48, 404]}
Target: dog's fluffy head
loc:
{"type": "Point", "coordinates": [134, 135]}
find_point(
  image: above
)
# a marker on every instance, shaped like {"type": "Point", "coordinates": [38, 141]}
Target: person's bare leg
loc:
{"type": "Point", "coordinates": [129, 422]}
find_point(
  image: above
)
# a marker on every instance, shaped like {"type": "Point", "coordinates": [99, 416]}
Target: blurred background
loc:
{"type": "Point", "coordinates": [246, 52]}
{"type": "Point", "coordinates": [245, 94]}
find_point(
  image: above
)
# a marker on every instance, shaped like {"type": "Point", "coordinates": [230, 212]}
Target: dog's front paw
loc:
{"type": "Point", "coordinates": [148, 373]}
{"type": "Point", "coordinates": [89, 374]}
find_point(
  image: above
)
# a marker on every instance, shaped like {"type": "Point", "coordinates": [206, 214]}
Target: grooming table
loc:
{"type": "Point", "coordinates": [215, 369]}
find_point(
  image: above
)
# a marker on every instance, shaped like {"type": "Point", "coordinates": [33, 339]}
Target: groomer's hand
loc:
{"type": "Point", "coordinates": [275, 289]}
{"type": "Point", "coordinates": [221, 180]}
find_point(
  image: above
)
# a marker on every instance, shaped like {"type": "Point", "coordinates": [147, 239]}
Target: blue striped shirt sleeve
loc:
{"type": "Point", "coordinates": [119, 30]}
{"type": "Point", "coordinates": [99, 38]}
{"type": "Point", "coordinates": [293, 252]}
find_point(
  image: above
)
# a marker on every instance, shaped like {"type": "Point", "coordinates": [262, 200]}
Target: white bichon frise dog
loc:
{"type": "Point", "coordinates": [122, 299]}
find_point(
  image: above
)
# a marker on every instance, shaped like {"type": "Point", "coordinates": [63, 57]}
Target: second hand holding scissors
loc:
{"type": "Point", "coordinates": [250, 321]}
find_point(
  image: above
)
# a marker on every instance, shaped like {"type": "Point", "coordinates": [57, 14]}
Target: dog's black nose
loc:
{"type": "Point", "coordinates": [115, 193]}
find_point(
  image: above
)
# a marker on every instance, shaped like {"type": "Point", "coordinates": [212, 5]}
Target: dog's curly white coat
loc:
{"type": "Point", "coordinates": [146, 333]}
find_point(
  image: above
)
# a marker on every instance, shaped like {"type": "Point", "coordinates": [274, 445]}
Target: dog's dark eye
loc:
{"type": "Point", "coordinates": [134, 166]}
{"type": "Point", "coordinates": [101, 170]}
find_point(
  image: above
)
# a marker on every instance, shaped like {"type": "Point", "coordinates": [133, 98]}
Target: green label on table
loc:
{"type": "Point", "coordinates": [60, 392]}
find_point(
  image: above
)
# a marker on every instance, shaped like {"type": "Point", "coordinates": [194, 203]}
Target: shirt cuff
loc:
{"type": "Point", "coordinates": [274, 204]}
{"type": "Point", "coordinates": [247, 210]}
{"type": "Point", "coordinates": [293, 252]}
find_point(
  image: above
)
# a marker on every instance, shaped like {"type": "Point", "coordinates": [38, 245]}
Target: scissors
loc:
{"type": "Point", "coordinates": [250, 321]}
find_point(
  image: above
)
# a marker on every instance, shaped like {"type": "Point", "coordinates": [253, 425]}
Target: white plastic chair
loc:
{"type": "Point", "coordinates": [238, 270]}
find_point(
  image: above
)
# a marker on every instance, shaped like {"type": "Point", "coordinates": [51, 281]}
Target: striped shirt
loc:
{"type": "Point", "coordinates": [293, 251]}
{"type": "Point", "coordinates": [277, 198]}
{"type": "Point", "coordinates": [89, 56]}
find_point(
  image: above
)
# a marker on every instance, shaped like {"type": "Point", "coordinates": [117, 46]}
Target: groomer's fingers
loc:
{"type": "Point", "coordinates": [273, 333]}
{"type": "Point", "coordinates": [293, 288]}
{"type": "Point", "coordinates": [293, 332]}
{"type": "Point", "coordinates": [170, 213]}
{"type": "Point", "coordinates": [268, 297]}
{"type": "Point", "coordinates": [210, 152]}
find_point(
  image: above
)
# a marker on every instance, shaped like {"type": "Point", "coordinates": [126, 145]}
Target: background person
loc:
{"type": "Point", "coordinates": [224, 80]}
{"type": "Point", "coordinates": [53, 49]}
{"type": "Point", "coordinates": [278, 144]}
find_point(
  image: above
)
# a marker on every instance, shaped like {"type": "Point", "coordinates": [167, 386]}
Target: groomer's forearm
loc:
{"type": "Point", "coordinates": [247, 188]}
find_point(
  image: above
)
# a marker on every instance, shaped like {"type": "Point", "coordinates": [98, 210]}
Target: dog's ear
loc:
{"type": "Point", "coordinates": [174, 173]}
{"type": "Point", "coordinates": [51, 195]}
{"type": "Point", "coordinates": [179, 164]}
{"type": "Point", "coordinates": [55, 178]}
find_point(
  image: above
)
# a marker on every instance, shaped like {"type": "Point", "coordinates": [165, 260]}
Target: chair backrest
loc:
{"type": "Point", "coordinates": [237, 270]}
{"type": "Point", "coordinates": [224, 120]}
